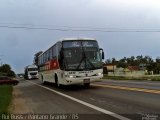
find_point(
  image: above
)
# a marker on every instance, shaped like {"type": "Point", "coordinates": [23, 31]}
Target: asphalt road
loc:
{"type": "Point", "coordinates": [102, 101]}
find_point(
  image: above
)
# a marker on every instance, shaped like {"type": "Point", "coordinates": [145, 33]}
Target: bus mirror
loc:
{"type": "Point", "coordinates": [61, 54]}
{"type": "Point", "coordinates": [102, 53]}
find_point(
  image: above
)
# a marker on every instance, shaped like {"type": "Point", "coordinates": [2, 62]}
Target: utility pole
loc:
{"type": "Point", "coordinates": [1, 63]}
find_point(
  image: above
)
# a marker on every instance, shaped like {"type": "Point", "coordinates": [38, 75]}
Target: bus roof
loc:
{"type": "Point", "coordinates": [30, 66]}
{"type": "Point", "coordinates": [68, 39]}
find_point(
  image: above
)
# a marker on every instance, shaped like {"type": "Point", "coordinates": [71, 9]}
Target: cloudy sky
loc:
{"type": "Point", "coordinates": [122, 27]}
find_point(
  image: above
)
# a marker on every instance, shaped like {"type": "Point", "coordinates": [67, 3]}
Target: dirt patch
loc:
{"type": "Point", "coordinates": [19, 104]}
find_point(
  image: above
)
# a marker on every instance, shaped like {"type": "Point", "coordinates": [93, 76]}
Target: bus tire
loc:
{"type": "Point", "coordinates": [43, 82]}
{"type": "Point", "coordinates": [86, 85]}
{"type": "Point", "coordinates": [56, 81]}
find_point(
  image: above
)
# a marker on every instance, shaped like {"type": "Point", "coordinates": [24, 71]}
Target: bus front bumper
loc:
{"type": "Point", "coordinates": [82, 80]}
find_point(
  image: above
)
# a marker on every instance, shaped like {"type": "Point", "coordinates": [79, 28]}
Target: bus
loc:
{"type": "Point", "coordinates": [31, 72]}
{"type": "Point", "coordinates": [72, 61]}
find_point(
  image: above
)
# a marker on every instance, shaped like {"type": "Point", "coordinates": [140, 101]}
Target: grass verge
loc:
{"type": "Point", "coordinates": [151, 78]}
{"type": "Point", "coordinates": [5, 98]}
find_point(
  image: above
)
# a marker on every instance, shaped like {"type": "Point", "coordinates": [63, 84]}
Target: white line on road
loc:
{"type": "Point", "coordinates": [85, 103]}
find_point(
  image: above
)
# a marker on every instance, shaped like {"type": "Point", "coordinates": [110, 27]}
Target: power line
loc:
{"type": "Point", "coordinates": [85, 29]}
{"type": "Point", "coordinates": [62, 26]}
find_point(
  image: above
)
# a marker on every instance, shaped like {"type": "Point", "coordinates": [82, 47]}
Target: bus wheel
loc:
{"type": "Point", "coordinates": [43, 82]}
{"type": "Point", "coordinates": [86, 85]}
{"type": "Point", "coordinates": [56, 81]}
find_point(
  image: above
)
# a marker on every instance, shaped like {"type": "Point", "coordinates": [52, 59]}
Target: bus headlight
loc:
{"type": "Point", "coordinates": [72, 76]}
{"type": "Point", "coordinates": [99, 74]}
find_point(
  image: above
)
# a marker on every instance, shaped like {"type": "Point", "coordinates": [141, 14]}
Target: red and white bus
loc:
{"type": "Point", "coordinates": [72, 61]}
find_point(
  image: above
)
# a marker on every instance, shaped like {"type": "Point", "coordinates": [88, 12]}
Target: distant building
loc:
{"type": "Point", "coordinates": [110, 67]}
{"type": "Point", "coordinates": [133, 68]}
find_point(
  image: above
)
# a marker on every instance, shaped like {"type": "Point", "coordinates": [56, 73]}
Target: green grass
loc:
{"type": "Point", "coordinates": [152, 78]}
{"type": "Point", "coordinates": [5, 98]}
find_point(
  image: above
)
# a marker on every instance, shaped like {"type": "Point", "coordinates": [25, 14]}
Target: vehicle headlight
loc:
{"type": "Point", "coordinates": [72, 76]}
{"type": "Point", "coordinates": [99, 74]}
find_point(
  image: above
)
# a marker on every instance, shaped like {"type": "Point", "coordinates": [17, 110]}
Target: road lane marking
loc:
{"type": "Point", "coordinates": [85, 103]}
{"type": "Point", "coordinates": [129, 88]}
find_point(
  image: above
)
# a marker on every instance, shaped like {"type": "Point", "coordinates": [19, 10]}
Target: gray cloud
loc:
{"type": "Point", "coordinates": [19, 45]}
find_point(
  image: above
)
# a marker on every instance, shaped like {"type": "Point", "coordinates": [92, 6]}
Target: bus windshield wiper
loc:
{"type": "Point", "coordinates": [90, 63]}
{"type": "Point", "coordinates": [84, 58]}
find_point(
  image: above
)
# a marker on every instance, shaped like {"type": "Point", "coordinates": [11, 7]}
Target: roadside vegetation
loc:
{"type": "Point", "coordinates": [5, 98]}
{"type": "Point", "coordinates": [5, 70]}
{"type": "Point", "coordinates": [144, 62]}
{"type": "Point", "coordinates": [5, 90]}
{"type": "Point", "coordinates": [149, 78]}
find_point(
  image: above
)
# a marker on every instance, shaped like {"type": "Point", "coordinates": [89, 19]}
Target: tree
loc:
{"type": "Point", "coordinates": [36, 57]}
{"type": "Point", "coordinates": [11, 74]}
{"type": "Point", "coordinates": [108, 61]}
{"type": "Point", "coordinates": [5, 69]}
{"type": "Point", "coordinates": [158, 60]}
{"type": "Point", "coordinates": [143, 61]}
{"type": "Point", "coordinates": [114, 60]}
{"type": "Point", "coordinates": [139, 58]}
{"type": "Point", "coordinates": [148, 59]}
{"type": "Point", "coordinates": [122, 64]}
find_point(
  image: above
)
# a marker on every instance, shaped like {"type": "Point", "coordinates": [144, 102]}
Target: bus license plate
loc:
{"type": "Point", "coordinates": [86, 80]}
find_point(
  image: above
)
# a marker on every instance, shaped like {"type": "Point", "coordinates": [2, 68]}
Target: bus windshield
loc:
{"type": "Point", "coordinates": [32, 69]}
{"type": "Point", "coordinates": [81, 55]}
